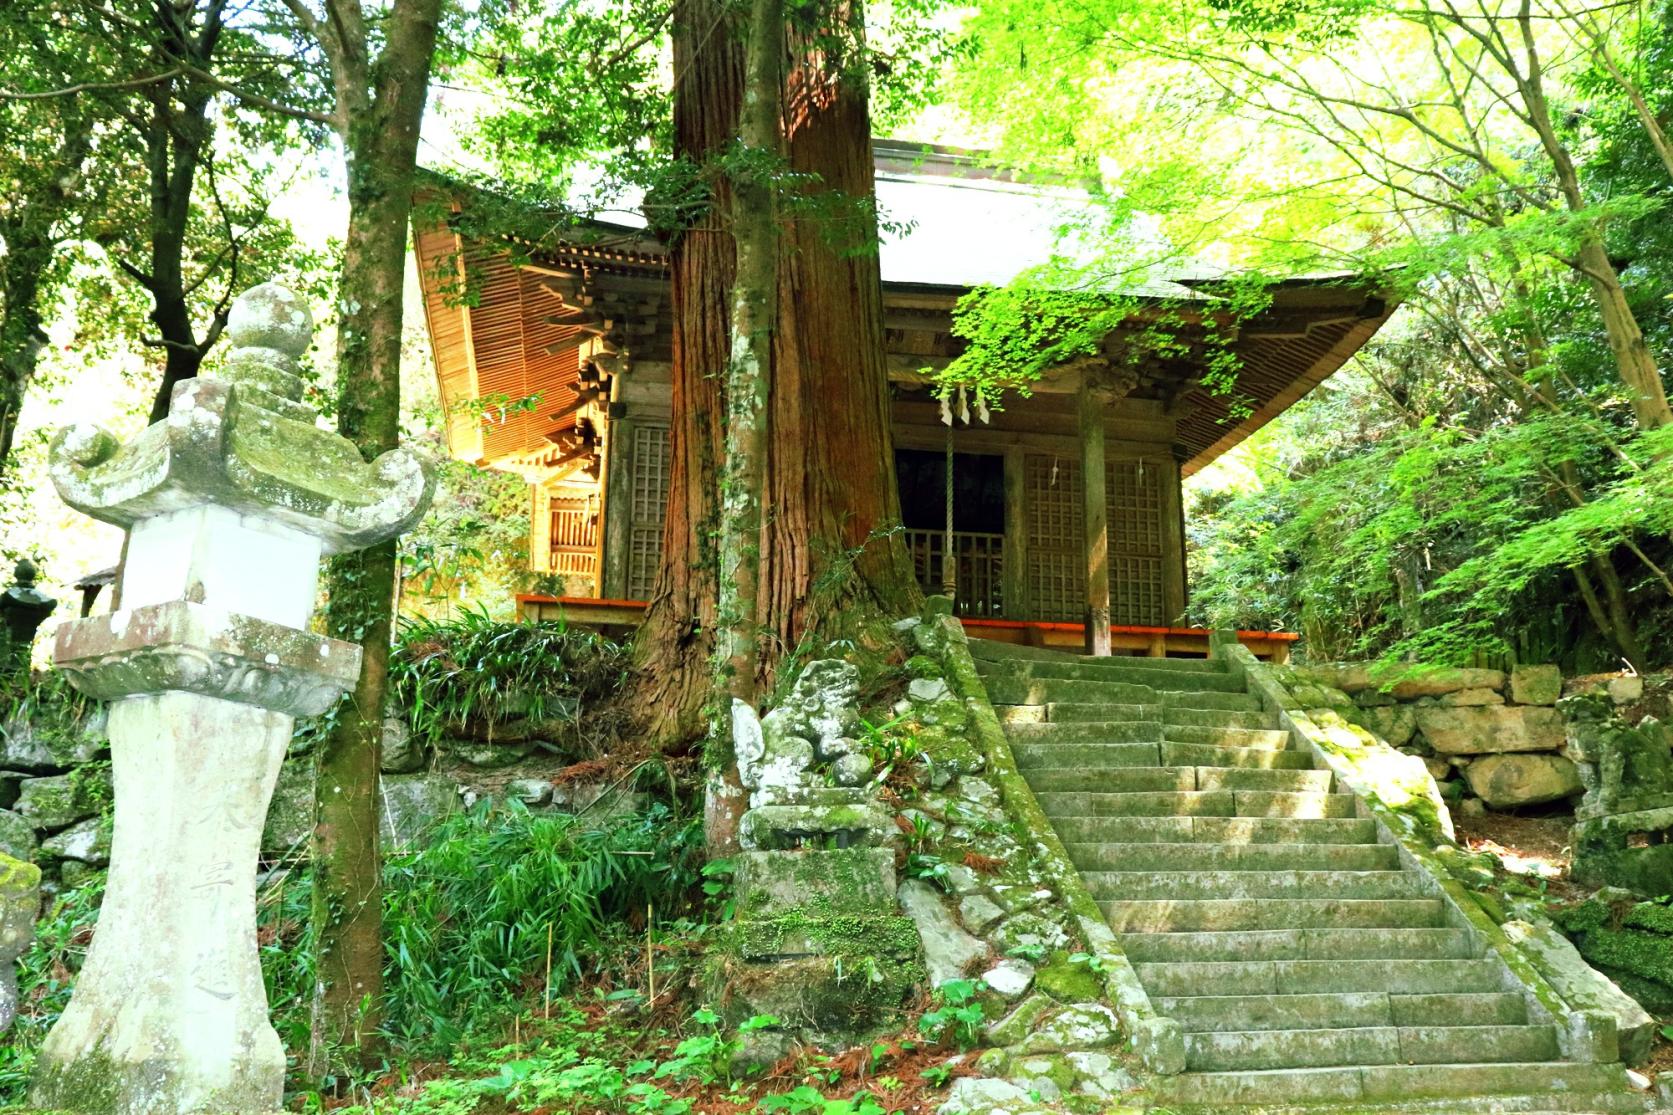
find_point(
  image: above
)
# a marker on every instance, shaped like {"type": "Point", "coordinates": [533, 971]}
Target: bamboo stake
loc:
{"type": "Point", "coordinates": [650, 958]}
{"type": "Point", "coordinates": [548, 1009]}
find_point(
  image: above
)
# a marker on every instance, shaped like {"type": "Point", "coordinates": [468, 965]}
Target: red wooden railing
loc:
{"type": "Point", "coordinates": [1155, 642]}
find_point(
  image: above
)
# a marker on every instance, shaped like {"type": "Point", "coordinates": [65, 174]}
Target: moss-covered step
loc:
{"type": "Point", "coordinates": [1111, 671]}
{"type": "Point", "coordinates": [1291, 1049]}
{"type": "Point", "coordinates": [1367, 1046]}
{"type": "Point", "coordinates": [1070, 712]}
{"type": "Point", "coordinates": [1088, 731]}
{"type": "Point", "coordinates": [1209, 1013]}
{"type": "Point", "coordinates": [1117, 780]}
{"type": "Point", "coordinates": [1306, 977]}
{"type": "Point", "coordinates": [1157, 856]}
{"type": "Point", "coordinates": [1254, 884]}
{"type": "Point", "coordinates": [1263, 778]}
{"type": "Point", "coordinates": [1340, 1009]}
{"type": "Point", "coordinates": [1267, 739]}
{"type": "Point", "coordinates": [1089, 755]}
{"type": "Point", "coordinates": [1210, 717]}
{"type": "Point", "coordinates": [1168, 916]}
{"type": "Point", "coordinates": [1205, 701]}
{"type": "Point", "coordinates": [1216, 830]}
{"type": "Point", "coordinates": [1468, 1087]}
{"type": "Point", "coordinates": [1207, 754]}
{"type": "Point", "coordinates": [1011, 689]}
{"type": "Point", "coordinates": [1334, 945]}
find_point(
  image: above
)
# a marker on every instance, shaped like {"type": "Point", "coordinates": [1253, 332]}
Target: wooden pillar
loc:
{"type": "Point", "coordinates": [1173, 540]}
{"type": "Point", "coordinates": [617, 510]}
{"type": "Point", "coordinates": [1014, 576]}
{"type": "Point", "coordinates": [1095, 517]}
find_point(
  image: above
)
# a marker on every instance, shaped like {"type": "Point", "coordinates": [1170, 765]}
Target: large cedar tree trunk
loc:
{"type": "Point", "coordinates": [832, 562]}
{"type": "Point", "coordinates": [676, 641]}
{"type": "Point", "coordinates": [830, 568]}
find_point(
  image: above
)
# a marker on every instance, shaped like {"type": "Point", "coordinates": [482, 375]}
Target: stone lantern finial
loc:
{"type": "Point", "coordinates": [230, 503]}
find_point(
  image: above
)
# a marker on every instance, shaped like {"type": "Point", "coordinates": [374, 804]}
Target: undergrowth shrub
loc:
{"type": "Point", "coordinates": [466, 924]}
{"type": "Point", "coordinates": [468, 918]}
{"type": "Point", "coordinates": [483, 678]}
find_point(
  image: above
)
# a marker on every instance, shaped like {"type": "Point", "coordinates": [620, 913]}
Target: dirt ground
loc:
{"type": "Point", "coordinates": [1534, 847]}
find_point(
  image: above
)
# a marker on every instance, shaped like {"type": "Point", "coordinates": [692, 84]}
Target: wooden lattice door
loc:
{"type": "Point", "coordinates": [1134, 493]}
{"type": "Point", "coordinates": [647, 508]}
{"type": "Point", "coordinates": [572, 523]}
{"type": "Point", "coordinates": [1056, 563]}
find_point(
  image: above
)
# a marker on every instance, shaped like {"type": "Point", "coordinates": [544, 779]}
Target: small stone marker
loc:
{"type": "Point", "coordinates": [230, 504]}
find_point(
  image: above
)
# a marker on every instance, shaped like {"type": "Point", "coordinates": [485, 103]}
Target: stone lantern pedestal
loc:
{"type": "Point", "coordinates": [230, 504]}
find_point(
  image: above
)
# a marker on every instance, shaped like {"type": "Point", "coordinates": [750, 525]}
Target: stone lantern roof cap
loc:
{"type": "Point", "coordinates": [246, 440]}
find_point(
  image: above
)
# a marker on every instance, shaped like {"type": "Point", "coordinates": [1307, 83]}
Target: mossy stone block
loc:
{"type": "Point", "coordinates": [1067, 981]}
{"type": "Point", "coordinates": [1016, 1026]}
{"type": "Point", "coordinates": [842, 881]}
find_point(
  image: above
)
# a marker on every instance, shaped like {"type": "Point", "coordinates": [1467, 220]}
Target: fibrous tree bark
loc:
{"type": "Point", "coordinates": [379, 106]}
{"type": "Point", "coordinates": [676, 641]}
{"type": "Point", "coordinates": [833, 561]}
{"type": "Point", "coordinates": [831, 564]}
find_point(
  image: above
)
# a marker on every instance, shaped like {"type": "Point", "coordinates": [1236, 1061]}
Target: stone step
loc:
{"type": "Point", "coordinates": [1216, 830]}
{"type": "Point", "coordinates": [1301, 944]}
{"type": "Point", "coordinates": [1312, 977]}
{"type": "Point", "coordinates": [1075, 712]}
{"type": "Point", "coordinates": [1091, 731]}
{"type": "Point", "coordinates": [1266, 739]}
{"type": "Point", "coordinates": [1459, 1008]}
{"type": "Point", "coordinates": [1088, 756]}
{"type": "Point", "coordinates": [1215, 717]}
{"type": "Point", "coordinates": [1145, 672]}
{"type": "Point", "coordinates": [1117, 673]}
{"type": "Point", "coordinates": [1379, 1045]}
{"type": "Point", "coordinates": [1202, 754]}
{"type": "Point", "coordinates": [1007, 689]}
{"type": "Point", "coordinates": [1225, 885]}
{"type": "Point", "coordinates": [1340, 1010]}
{"type": "Point", "coordinates": [1157, 856]}
{"type": "Point", "coordinates": [1264, 778]}
{"type": "Point", "coordinates": [1210, 803]}
{"type": "Point", "coordinates": [991, 651]}
{"type": "Point", "coordinates": [1120, 780]}
{"type": "Point", "coordinates": [1150, 916]}
{"type": "Point", "coordinates": [1592, 1087]}
{"type": "Point", "coordinates": [1203, 701]}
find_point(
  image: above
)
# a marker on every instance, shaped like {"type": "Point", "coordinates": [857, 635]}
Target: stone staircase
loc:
{"type": "Point", "coordinates": [1304, 964]}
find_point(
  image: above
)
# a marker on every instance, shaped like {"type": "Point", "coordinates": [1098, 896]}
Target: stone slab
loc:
{"type": "Point", "coordinates": [1491, 730]}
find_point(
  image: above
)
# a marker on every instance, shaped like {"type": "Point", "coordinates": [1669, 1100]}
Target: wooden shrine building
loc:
{"type": "Point", "coordinates": [582, 320]}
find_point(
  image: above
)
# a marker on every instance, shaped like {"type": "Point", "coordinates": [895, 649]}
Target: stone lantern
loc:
{"type": "Point", "coordinates": [230, 504]}
{"type": "Point", "coordinates": [23, 608]}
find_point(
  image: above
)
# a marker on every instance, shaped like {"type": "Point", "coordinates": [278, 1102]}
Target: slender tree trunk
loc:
{"type": "Point", "coordinates": [674, 648]}
{"type": "Point", "coordinates": [380, 107]}
{"type": "Point", "coordinates": [32, 234]}
{"type": "Point", "coordinates": [1633, 359]}
{"type": "Point", "coordinates": [749, 369]}
{"type": "Point", "coordinates": [748, 380]}
{"type": "Point", "coordinates": [20, 333]}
